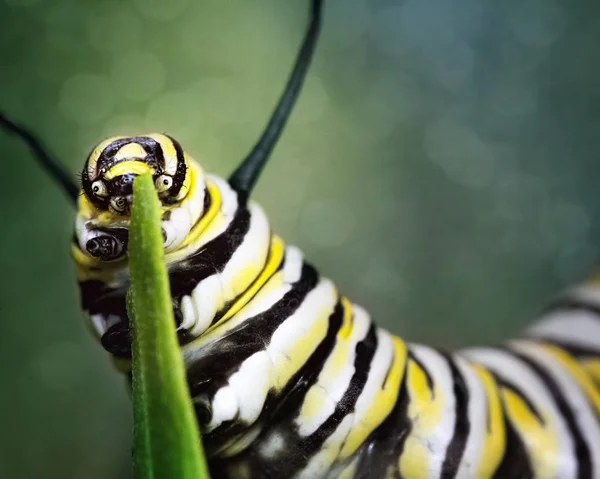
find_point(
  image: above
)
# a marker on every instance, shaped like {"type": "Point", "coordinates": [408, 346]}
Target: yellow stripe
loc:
{"type": "Point", "coordinates": [349, 471]}
{"type": "Point", "coordinates": [274, 283]}
{"type": "Point", "coordinates": [135, 167]}
{"type": "Point", "coordinates": [213, 209]}
{"type": "Point", "coordinates": [494, 443]}
{"type": "Point", "coordinates": [592, 366]}
{"type": "Point", "coordinates": [92, 160]}
{"type": "Point", "coordinates": [425, 413]}
{"type": "Point", "coordinates": [381, 404]}
{"type": "Point", "coordinates": [287, 362]}
{"type": "Point", "coordinates": [275, 257]}
{"type": "Point", "coordinates": [318, 397]}
{"type": "Point", "coordinates": [346, 328]}
{"type": "Point", "coordinates": [577, 372]}
{"type": "Point", "coordinates": [541, 442]}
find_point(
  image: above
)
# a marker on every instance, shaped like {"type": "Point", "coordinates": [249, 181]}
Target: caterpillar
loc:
{"type": "Point", "coordinates": [288, 377]}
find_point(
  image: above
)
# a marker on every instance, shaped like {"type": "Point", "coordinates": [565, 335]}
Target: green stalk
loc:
{"type": "Point", "coordinates": [166, 440]}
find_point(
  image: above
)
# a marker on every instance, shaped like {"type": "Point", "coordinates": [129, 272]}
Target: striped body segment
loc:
{"type": "Point", "coordinates": [290, 379]}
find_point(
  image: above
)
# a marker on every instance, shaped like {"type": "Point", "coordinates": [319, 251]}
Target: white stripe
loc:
{"type": "Point", "coordinates": [211, 294]}
{"type": "Point", "coordinates": [573, 394]}
{"type": "Point", "coordinates": [514, 370]}
{"type": "Point", "coordinates": [334, 388]}
{"type": "Point", "coordinates": [441, 377]}
{"type": "Point", "coordinates": [580, 328]}
{"type": "Point", "coordinates": [320, 463]}
{"type": "Point", "coordinates": [477, 415]}
{"type": "Point", "coordinates": [380, 365]}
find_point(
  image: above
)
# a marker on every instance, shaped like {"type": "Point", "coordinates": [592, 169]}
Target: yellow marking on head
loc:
{"type": "Point", "coordinates": [425, 412]}
{"type": "Point", "coordinates": [169, 152]}
{"type": "Point", "coordinates": [273, 262]}
{"type": "Point", "coordinates": [381, 404]}
{"type": "Point", "coordinates": [135, 167]}
{"type": "Point", "coordinates": [577, 372]}
{"type": "Point", "coordinates": [83, 259]}
{"type": "Point", "coordinates": [85, 206]}
{"type": "Point", "coordinates": [87, 210]}
{"type": "Point", "coordinates": [92, 160]}
{"type": "Point", "coordinates": [540, 441]}
{"type": "Point", "coordinates": [495, 438]}
{"type": "Point", "coordinates": [130, 151]}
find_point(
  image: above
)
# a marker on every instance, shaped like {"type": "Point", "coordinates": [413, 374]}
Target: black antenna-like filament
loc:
{"type": "Point", "coordinates": [245, 176]}
{"type": "Point", "coordinates": [48, 162]}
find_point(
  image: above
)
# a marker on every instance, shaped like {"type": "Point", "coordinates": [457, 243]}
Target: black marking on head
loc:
{"type": "Point", "coordinates": [180, 173]}
{"type": "Point", "coordinates": [108, 246]}
{"type": "Point", "coordinates": [155, 158]}
{"type": "Point", "coordinates": [120, 186]}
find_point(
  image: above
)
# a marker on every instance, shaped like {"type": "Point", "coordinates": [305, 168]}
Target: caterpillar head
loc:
{"type": "Point", "coordinates": [111, 167]}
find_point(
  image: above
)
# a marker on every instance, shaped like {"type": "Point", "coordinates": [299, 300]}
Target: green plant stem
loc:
{"type": "Point", "coordinates": [166, 439]}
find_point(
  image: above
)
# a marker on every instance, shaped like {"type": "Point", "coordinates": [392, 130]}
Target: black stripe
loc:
{"type": "Point", "coordinates": [462, 427]}
{"type": "Point", "coordinates": [211, 258]}
{"type": "Point", "coordinates": [515, 463]}
{"type": "Point", "coordinates": [155, 156]}
{"type": "Point", "coordinates": [222, 357]}
{"type": "Point", "coordinates": [180, 172]}
{"type": "Point", "coordinates": [507, 384]}
{"type": "Point", "coordinates": [279, 409]}
{"type": "Point", "coordinates": [385, 444]}
{"type": "Point", "coordinates": [571, 304]}
{"type": "Point", "coordinates": [219, 314]}
{"type": "Point", "coordinates": [582, 451]}
{"type": "Point", "coordinates": [428, 378]}
{"type": "Point", "coordinates": [575, 350]}
{"type": "Point", "coordinates": [365, 350]}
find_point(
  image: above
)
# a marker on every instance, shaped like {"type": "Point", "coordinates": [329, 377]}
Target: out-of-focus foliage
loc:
{"type": "Point", "coordinates": [441, 166]}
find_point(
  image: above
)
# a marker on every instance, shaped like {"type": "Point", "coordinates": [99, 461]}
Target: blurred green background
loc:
{"type": "Point", "coordinates": [440, 166]}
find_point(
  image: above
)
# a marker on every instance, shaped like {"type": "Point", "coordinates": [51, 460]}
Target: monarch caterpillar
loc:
{"type": "Point", "coordinates": [287, 375]}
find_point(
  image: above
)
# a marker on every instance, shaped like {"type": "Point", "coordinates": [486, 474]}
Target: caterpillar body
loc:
{"type": "Point", "coordinates": [288, 377]}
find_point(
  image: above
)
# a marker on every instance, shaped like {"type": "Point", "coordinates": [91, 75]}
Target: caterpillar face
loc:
{"type": "Point", "coordinates": [108, 174]}
{"type": "Point", "coordinates": [107, 192]}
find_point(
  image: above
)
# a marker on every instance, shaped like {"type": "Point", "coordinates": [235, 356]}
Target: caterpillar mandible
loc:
{"type": "Point", "coordinates": [291, 379]}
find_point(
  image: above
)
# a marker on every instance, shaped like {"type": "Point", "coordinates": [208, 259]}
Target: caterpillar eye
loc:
{"type": "Point", "coordinates": [163, 183]}
{"type": "Point", "coordinates": [99, 189]}
{"type": "Point", "coordinates": [119, 204]}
